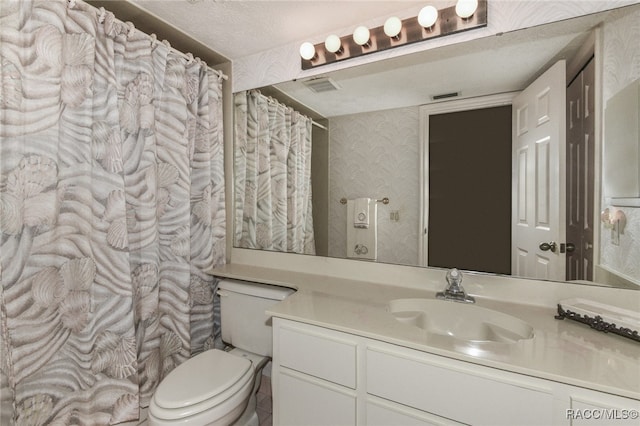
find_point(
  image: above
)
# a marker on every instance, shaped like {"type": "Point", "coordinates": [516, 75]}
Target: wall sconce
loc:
{"type": "Point", "coordinates": [615, 220]}
{"type": "Point", "coordinates": [430, 23]}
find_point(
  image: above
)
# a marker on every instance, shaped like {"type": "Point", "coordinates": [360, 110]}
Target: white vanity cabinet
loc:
{"type": "Point", "coordinates": [456, 390]}
{"type": "Point", "coordinates": [314, 375]}
{"type": "Point", "coordinates": [325, 377]}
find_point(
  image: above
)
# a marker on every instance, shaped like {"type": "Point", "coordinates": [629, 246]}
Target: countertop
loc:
{"type": "Point", "coordinates": [561, 350]}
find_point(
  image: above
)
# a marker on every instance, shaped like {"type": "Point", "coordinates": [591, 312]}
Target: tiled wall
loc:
{"type": "Point", "coordinates": [377, 155]}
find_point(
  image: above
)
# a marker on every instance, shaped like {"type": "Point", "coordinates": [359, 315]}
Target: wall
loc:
{"type": "Point", "coordinates": [621, 66]}
{"type": "Point", "coordinates": [390, 141]}
{"type": "Point", "coordinates": [320, 187]}
{"type": "Point", "coordinates": [283, 63]}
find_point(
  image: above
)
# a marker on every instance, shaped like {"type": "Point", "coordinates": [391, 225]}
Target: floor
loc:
{"type": "Point", "coordinates": [265, 406]}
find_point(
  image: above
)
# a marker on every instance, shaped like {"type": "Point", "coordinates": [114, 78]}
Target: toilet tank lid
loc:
{"type": "Point", "coordinates": [264, 291]}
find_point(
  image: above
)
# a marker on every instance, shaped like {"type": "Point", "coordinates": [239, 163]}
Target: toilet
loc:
{"type": "Point", "coordinates": [219, 387]}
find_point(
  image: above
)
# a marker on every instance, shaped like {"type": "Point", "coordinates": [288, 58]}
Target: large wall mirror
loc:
{"type": "Point", "coordinates": [379, 134]}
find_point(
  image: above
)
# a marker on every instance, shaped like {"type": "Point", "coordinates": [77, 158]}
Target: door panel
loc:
{"type": "Point", "coordinates": [543, 215]}
{"type": "Point", "coordinates": [539, 176]}
{"type": "Point", "coordinates": [580, 174]}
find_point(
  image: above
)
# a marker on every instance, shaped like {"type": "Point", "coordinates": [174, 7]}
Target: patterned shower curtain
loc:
{"type": "Point", "coordinates": [272, 164]}
{"type": "Point", "coordinates": [111, 211]}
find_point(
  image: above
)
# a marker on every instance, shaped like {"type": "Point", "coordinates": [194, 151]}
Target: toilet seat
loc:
{"type": "Point", "coordinates": [213, 381]}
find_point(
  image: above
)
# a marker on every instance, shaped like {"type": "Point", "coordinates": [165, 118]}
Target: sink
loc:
{"type": "Point", "coordinates": [461, 321]}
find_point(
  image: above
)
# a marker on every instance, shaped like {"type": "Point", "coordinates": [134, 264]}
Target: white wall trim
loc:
{"type": "Point", "coordinates": [457, 105]}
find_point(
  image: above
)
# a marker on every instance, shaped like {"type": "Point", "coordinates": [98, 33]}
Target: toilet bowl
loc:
{"type": "Point", "coordinates": [218, 387]}
{"type": "Point", "coordinates": [214, 388]}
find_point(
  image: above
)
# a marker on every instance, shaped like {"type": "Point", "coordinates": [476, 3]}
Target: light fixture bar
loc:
{"type": "Point", "coordinates": [448, 23]}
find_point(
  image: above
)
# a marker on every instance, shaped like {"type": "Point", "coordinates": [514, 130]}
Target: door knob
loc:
{"type": "Point", "coordinates": [571, 247]}
{"type": "Point", "coordinates": [548, 246]}
{"type": "Point", "coordinates": [588, 246]}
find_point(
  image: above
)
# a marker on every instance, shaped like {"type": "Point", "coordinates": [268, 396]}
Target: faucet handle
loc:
{"type": "Point", "coordinates": [454, 277]}
{"type": "Point", "coordinates": [454, 290]}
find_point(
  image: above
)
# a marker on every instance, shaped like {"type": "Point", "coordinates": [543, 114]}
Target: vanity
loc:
{"type": "Point", "coordinates": [362, 343]}
{"type": "Point", "coordinates": [322, 376]}
{"type": "Point", "coordinates": [350, 352]}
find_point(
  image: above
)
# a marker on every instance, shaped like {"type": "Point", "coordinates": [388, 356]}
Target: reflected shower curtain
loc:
{"type": "Point", "coordinates": [111, 209]}
{"type": "Point", "coordinates": [272, 164]}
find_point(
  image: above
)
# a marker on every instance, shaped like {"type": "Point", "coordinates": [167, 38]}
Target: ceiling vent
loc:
{"type": "Point", "coordinates": [445, 96]}
{"type": "Point", "coordinates": [320, 85]}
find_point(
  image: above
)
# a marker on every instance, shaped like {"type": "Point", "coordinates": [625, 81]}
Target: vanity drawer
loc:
{"type": "Point", "coordinates": [310, 350]}
{"type": "Point", "coordinates": [463, 394]}
{"type": "Point", "coordinates": [304, 400]}
{"type": "Point", "coordinates": [589, 407]}
{"type": "Point", "coordinates": [381, 412]}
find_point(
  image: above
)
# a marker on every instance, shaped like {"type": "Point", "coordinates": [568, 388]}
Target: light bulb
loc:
{"type": "Point", "coordinates": [428, 16]}
{"type": "Point", "coordinates": [307, 51]}
{"type": "Point", "coordinates": [333, 44]}
{"type": "Point", "coordinates": [466, 8]}
{"type": "Point", "coordinates": [392, 26]}
{"type": "Point", "coordinates": [361, 35]}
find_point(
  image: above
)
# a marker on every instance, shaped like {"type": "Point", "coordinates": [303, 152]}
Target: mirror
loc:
{"type": "Point", "coordinates": [385, 97]}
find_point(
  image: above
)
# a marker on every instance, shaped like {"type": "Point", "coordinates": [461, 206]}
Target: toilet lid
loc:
{"type": "Point", "coordinates": [200, 378]}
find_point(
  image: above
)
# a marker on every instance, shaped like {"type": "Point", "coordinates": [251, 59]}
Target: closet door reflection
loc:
{"type": "Point", "coordinates": [580, 174]}
{"type": "Point", "coordinates": [469, 190]}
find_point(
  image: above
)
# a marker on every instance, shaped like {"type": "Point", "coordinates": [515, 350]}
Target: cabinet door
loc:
{"type": "Point", "coordinates": [385, 413]}
{"type": "Point", "coordinates": [304, 401]}
{"type": "Point", "coordinates": [466, 393]}
{"type": "Point", "coordinates": [317, 352]}
{"type": "Point", "coordinates": [597, 408]}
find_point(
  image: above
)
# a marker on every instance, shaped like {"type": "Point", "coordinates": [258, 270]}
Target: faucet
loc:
{"type": "Point", "coordinates": [454, 290]}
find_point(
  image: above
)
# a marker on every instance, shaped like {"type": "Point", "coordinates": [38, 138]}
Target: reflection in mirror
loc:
{"type": "Point", "coordinates": [622, 129]}
{"type": "Point", "coordinates": [272, 168]}
{"type": "Point", "coordinates": [375, 145]}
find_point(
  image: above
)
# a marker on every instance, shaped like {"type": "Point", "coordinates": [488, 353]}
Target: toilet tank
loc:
{"type": "Point", "coordinates": [242, 314]}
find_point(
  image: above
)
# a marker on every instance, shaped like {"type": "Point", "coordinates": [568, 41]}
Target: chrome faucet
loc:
{"type": "Point", "coordinates": [454, 290]}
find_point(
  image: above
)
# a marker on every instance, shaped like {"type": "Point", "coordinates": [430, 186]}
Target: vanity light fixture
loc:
{"type": "Point", "coordinates": [308, 51]}
{"type": "Point", "coordinates": [393, 27]}
{"type": "Point", "coordinates": [333, 44]}
{"type": "Point", "coordinates": [362, 36]}
{"type": "Point", "coordinates": [615, 220]}
{"type": "Point", "coordinates": [427, 17]}
{"type": "Point", "coordinates": [466, 8]}
{"type": "Point", "coordinates": [430, 23]}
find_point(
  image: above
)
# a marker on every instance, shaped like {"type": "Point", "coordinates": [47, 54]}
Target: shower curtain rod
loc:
{"type": "Point", "coordinates": [152, 37]}
{"type": "Point", "coordinates": [273, 100]}
{"type": "Point", "coordinates": [319, 125]}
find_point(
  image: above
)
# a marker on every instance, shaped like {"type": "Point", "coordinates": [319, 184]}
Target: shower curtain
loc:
{"type": "Point", "coordinates": [272, 164]}
{"type": "Point", "coordinates": [111, 211]}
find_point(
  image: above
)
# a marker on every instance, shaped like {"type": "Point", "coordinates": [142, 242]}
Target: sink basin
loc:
{"type": "Point", "coordinates": [461, 321]}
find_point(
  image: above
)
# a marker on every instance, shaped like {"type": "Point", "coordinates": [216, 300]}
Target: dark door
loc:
{"type": "Point", "coordinates": [580, 174]}
{"type": "Point", "coordinates": [470, 190]}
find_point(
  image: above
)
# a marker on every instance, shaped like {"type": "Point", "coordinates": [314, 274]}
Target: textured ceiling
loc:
{"type": "Point", "coordinates": [485, 66]}
{"type": "Point", "coordinates": [238, 28]}
{"type": "Point", "coordinates": [241, 28]}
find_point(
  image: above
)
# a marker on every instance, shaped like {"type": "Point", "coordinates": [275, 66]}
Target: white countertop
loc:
{"type": "Point", "coordinates": [561, 350]}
